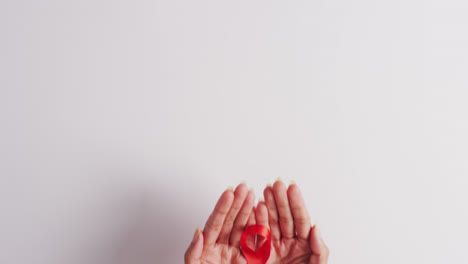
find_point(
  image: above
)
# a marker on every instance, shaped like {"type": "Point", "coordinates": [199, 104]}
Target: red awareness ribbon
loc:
{"type": "Point", "coordinates": [263, 253]}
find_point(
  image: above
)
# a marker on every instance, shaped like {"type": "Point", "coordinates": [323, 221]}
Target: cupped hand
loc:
{"type": "Point", "coordinates": [293, 240]}
{"type": "Point", "coordinates": [219, 240]}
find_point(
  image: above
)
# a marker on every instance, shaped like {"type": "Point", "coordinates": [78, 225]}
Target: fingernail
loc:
{"type": "Point", "coordinates": [196, 235]}
{"type": "Point", "coordinates": [269, 185]}
{"type": "Point", "coordinates": [230, 188]}
{"type": "Point", "coordinates": [292, 182]}
{"type": "Point", "coordinates": [243, 182]}
{"type": "Point", "coordinates": [278, 179]}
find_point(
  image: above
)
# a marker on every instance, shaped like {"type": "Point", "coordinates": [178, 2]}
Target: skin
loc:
{"type": "Point", "coordinates": [293, 239]}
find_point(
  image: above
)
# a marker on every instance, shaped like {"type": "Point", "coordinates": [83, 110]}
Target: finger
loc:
{"type": "Point", "coordinates": [261, 214]}
{"type": "Point", "coordinates": [272, 213]}
{"type": "Point", "coordinates": [250, 241]}
{"type": "Point", "coordinates": [239, 197]}
{"type": "Point", "coordinates": [320, 251]}
{"type": "Point", "coordinates": [195, 250]}
{"type": "Point", "coordinates": [215, 221]}
{"type": "Point", "coordinates": [242, 219]}
{"type": "Point", "coordinates": [251, 220]}
{"type": "Point", "coordinates": [299, 211]}
{"type": "Point", "coordinates": [261, 217]}
{"type": "Point", "coordinates": [282, 203]}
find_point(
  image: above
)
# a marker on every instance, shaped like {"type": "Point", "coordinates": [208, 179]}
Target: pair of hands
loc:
{"type": "Point", "coordinates": [293, 240]}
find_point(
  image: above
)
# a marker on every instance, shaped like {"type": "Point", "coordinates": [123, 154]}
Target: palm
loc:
{"type": "Point", "coordinates": [290, 251]}
{"type": "Point", "coordinates": [222, 254]}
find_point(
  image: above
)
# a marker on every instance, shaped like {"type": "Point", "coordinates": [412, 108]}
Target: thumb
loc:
{"type": "Point", "coordinates": [194, 251]}
{"type": "Point", "coordinates": [320, 251]}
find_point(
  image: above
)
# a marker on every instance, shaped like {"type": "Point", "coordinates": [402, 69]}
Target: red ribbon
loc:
{"type": "Point", "coordinates": [263, 253]}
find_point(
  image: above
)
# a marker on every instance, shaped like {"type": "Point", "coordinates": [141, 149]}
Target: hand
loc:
{"type": "Point", "coordinates": [219, 241]}
{"type": "Point", "coordinates": [293, 240]}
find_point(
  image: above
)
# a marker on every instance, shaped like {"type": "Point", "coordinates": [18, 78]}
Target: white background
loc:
{"type": "Point", "coordinates": [123, 121]}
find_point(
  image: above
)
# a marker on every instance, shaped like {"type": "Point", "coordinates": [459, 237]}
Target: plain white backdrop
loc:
{"type": "Point", "coordinates": [121, 122]}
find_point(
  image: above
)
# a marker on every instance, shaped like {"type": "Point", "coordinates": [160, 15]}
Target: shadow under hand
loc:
{"type": "Point", "coordinates": [156, 228]}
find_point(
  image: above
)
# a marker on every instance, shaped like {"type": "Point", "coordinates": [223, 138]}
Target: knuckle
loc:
{"type": "Point", "coordinates": [213, 226]}
{"type": "Point", "coordinates": [285, 219]}
{"type": "Point", "coordinates": [230, 219]}
{"type": "Point", "coordinates": [301, 220]}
